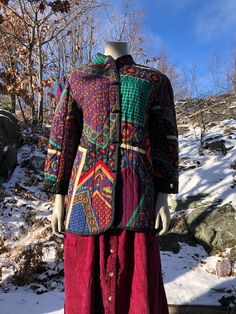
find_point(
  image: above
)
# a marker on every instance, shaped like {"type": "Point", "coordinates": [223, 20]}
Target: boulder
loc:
{"type": "Point", "coordinates": [216, 228]}
{"type": "Point", "coordinates": [8, 161]}
{"type": "Point", "coordinates": [217, 144]}
{"type": "Point", "coordinates": [8, 114]}
{"type": "Point", "coordinates": [232, 254]}
{"type": "Point", "coordinates": [9, 137]}
{"type": "Point", "coordinates": [9, 128]}
{"type": "Point", "coordinates": [223, 268]}
{"type": "Point", "coordinates": [178, 233]}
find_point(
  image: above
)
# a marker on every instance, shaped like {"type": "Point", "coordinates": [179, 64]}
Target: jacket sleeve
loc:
{"type": "Point", "coordinates": [63, 142]}
{"type": "Point", "coordinates": [163, 135]}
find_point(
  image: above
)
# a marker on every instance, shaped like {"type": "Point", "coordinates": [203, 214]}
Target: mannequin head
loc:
{"type": "Point", "coordinates": [116, 48]}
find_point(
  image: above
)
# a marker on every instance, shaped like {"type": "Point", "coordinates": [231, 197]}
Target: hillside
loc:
{"type": "Point", "coordinates": [31, 258]}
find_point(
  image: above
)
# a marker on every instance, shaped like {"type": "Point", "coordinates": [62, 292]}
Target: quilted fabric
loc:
{"type": "Point", "coordinates": [113, 145]}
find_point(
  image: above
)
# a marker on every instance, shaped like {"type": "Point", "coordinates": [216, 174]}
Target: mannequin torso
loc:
{"type": "Point", "coordinates": [115, 50]}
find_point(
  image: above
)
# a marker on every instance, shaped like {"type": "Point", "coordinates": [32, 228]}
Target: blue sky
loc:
{"type": "Point", "coordinates": [191, 30]}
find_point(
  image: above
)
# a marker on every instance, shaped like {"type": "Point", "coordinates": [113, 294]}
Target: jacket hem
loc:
{"type": "Point", "coordinates": [110, 227]}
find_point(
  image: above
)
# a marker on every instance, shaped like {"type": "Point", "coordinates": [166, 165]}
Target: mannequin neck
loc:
{"type": "Point", "coordinates": [116, 49]}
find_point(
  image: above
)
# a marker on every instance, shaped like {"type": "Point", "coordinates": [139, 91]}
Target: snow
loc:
{"type": "Point", "coordinates": [189, 276]}
{"type": "Point", "coordinates": [188, 279]}
{"type": "Point", "coordinates": [26, 302]}
{"type": "Point", "coordinates": [215, 176]}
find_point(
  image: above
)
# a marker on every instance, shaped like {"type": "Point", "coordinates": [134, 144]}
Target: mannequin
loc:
{"type": "Point", "coordinates": [112, 162]}
{"type": "Point", "coordinates": [114, 49]}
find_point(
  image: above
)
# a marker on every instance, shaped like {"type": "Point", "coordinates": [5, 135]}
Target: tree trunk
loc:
{"type": "Point", "coordinates": [29, 69]}
{"type": "Point", "coordinates": [40, 78]}
{"type": "Point", "coordinates": [22, 111]}
{"type": "Point", "coordinates": [234, 75]}
{"type": "Point", "coordinates": [13, 103]}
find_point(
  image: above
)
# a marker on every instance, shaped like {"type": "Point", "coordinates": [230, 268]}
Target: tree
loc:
{"type": "Point", "coordinates": [126, 25]}
{"type": "Point", "coordinates": [22, 24]}
{"type": "Point", "coordinates": [218, 68]}
{"type": "Point", "coordinates": [231, 72]}
{"type": "Point", "coordinates": [41, 23]}
{"type": "Point", "coordinates": [223, 71]}
{"type": "Point", "coordinates": [12, 62]}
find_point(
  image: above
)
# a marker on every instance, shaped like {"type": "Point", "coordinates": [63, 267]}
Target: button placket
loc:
{"type": "Point", "coordinates": [111, 275]}
{"type": "Point", "coordinates": [115, 117]}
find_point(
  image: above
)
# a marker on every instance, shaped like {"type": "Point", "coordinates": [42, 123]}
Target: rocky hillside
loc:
{"type": "Point", "coordinates": [198, 253]}
{"type": "Point", "coordinates": [205, 112]}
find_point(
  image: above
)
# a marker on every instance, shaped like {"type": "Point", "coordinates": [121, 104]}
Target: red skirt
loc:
{"type": "Point", "coordinates": [117, 272]}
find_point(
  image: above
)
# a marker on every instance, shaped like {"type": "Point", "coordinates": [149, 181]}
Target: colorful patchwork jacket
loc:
{"type": "Point", "coordinates": [113, 145]}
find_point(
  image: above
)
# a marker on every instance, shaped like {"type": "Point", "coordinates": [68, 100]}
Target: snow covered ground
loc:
{"type": "Point", "coordinates": [189, 275]}
{"type": "Point", "coordinates": [27, 302]}
{"type": "Point", "coordinates": [214, 176]}
{"type": "Point", "coordinates": [190, 278]}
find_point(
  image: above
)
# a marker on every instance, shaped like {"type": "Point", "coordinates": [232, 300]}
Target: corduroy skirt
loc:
{"type": "Point", "coordinates": [117, 272]}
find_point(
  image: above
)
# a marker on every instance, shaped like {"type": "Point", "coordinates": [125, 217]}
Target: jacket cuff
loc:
{"type": "Point", "coordinates": [55, 187]}
{"type": "Point", "coordinates": [164, 186]}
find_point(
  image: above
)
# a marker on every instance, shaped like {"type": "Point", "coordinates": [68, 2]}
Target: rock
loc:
{"type": "Point", "coordinates": [210, 229]}
{"type": "Point", "coordinates": [232, 254]}
{"type": "Point", "coordinates": [178, 233]}
{"type": "Point", "coordinates": [3, 248]}
{"type": "Point", "coordinates": [8, 162]}
{"type": "Point", "coordinates": [9, 115]}
{"type": "Point", "coordinates": [217, 145]}
{"type": "Point", "coordinates": [233, 165]}
{"type": "Point", "coordinates": [191, 201]}
{"type": "Point", "coordinates": [34, 163]}
{"type": "Point", "coordinates": [9, 129]}
{"type": "Point", "coordinates": [224, 238]}
{"type": "Point", "coordinates": [182, 129]}
{"type": "Point", "coordinates": [187, 163]}
{"type": "Point", "coordinates": [223, 268]}
{"type": "Point", "coordinates": [9, 138]}
{"type": "Point", "coordinates": [179, 225]}
{"type": "Point", "coordinates": [2, 149]}
{"type": "Point", "coordinates": [213, 109]}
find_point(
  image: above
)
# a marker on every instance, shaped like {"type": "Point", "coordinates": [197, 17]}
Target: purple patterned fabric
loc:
{"type": "Point", "coordinates": [113, 145]}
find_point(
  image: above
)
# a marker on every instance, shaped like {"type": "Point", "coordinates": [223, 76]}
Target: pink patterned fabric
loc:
{"type": "Point", "coordinates": [117, 272]}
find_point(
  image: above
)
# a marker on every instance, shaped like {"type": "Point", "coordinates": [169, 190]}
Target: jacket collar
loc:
{"type": "Point", "coordinates": [100, 58]}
